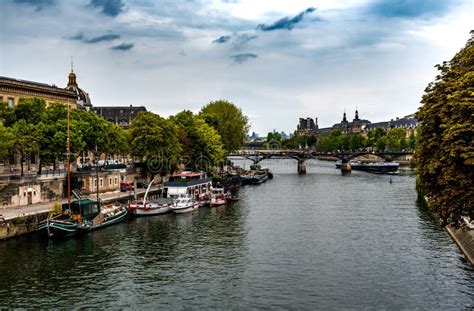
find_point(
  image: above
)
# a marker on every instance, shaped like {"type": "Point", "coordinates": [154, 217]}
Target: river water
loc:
{"type": "Point", "coordinates": [318, 241]}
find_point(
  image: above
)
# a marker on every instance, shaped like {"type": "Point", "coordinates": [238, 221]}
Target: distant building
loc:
{"type": "Point", "coordinates": [11, 90]}
{"type": "Point", "coordinates": [409, 123]}
{"type": "Point", "coordinates": [307, 126]}
{"type": "Point", "coordinates": [356, 126]}
{"type": "Point", "coordinates": [121, 116]}
{"type": "Point", "coordinates": [284, 136]}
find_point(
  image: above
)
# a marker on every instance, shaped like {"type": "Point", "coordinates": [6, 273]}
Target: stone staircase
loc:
{"type": "Point", "coordinates": [7, 190]}
{"type": "Point", "coordinates": [47, 194]}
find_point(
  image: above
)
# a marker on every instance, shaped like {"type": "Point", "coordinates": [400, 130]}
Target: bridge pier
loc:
{"type": "Point", "coordinates": [301, 167]}
{"type": "Point", "coordinates": [346, 166]}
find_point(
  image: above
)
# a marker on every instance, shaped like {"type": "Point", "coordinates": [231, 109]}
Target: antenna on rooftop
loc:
{"type": "Point", "coordinates": [72, 64]}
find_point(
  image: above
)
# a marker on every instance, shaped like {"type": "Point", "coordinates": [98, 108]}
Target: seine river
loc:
{"type": "Point", "coordinates": [318, 241]}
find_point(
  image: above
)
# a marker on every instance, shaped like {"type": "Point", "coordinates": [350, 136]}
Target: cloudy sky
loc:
{"type": "Point", "coordinates": [276, 59]}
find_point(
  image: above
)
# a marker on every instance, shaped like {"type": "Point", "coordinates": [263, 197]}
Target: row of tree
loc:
{"type": "Point", "coordinates": [33, 129]}
{"type": "Point", "coordinates": [394, 140]}
{"type": "Point", "coordinates": [445, 154]}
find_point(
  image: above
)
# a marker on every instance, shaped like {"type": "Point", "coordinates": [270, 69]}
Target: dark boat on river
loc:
{"type": "Point", "coordinates": [83, 216]}
{"type": "Point", "coordinates": [376, 167]}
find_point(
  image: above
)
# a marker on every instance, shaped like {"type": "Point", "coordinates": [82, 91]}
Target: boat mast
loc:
{"type": "Point", "coordinates": [68, 172]}
{"type": "Point", "coordinates": [97, 172]}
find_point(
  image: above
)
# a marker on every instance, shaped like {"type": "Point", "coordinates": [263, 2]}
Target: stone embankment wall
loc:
{"type": "Point", "coordinates": [21, 225]}
{"type": "Point", "coordinates": [465, 240]}
{"type": "Point", "coordinates": [463, 237]}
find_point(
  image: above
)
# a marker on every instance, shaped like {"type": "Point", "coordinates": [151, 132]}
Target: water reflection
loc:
{"type": "Point", "coordinates": [321, 240]}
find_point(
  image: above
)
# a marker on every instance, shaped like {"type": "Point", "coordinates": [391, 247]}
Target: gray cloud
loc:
{"type": "Point", "coordinates": [241, 40]}
{"type": "Point", "coordinates": [123, 47]}
{"type": "Point", "coordinates": [410, 8]}
{"type": "Point", "coordinates": [38, 4]}
{"type": "Point", "coordinates": [109, 7]}
{"type": "Point", "coordinates": [286, 22]}
{"type": "Point", "coordinates": [222, 39]}
{"type": "Point", "coordinates": [79, 36]}
{"type": "Point", "coordinates": [243, 57]}
{"type": "Point", "coordinates": [108, 37]}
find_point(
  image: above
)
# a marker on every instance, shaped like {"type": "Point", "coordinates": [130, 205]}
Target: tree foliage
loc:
{"type": "Point", "coordinates": [229, 121]}
{"type": "Point", "coordinates": [445, 153]}
{"type": "Point", "coordinates": [155, 139]}
{"type": "Point", "coordinates": [200, 142]}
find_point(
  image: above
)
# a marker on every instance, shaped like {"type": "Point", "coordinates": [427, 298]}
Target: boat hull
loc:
{"type": "Point", "coordinates": [217, 203]}
{"type": "Point", "coordinates": [108, 221]}
{"type": "Point", "coordinates": [184, 209]}
{"type": "Point", "coordinates": [372, 167]}
{"type": "Point", "coordinates": [56, 229]}
{"type": "Point", "coordinates": [150, 211]}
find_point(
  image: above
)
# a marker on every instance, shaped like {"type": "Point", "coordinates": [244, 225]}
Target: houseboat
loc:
{"type": "Point", "coordinates": [376, 167]}
{"type": "Point", "coordinates": [184, 205]}
{"type": "Point", "coordinates": [192, 185]}
{"type": "Point", "coordinates": [155, 207]}
{"type": "Point", "coordinates": [217, 197]}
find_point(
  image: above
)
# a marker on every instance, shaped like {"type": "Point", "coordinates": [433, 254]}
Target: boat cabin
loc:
{"type": "Point", "coordinates": [188, 184]}
{"type": "Point", "coordinates": [83, 209]}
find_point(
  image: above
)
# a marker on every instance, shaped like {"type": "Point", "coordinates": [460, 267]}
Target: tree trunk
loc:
{"type": "Point", "coordinates": [21, 165]}
{"type": "Point", "coordinates": [40, 163]}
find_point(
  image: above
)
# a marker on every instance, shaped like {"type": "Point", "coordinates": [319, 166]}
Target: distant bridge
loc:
{"type": "Point", "coordinates": [301, 155]}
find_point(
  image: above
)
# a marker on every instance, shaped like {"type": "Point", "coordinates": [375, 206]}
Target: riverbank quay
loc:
{"type": "Point", "coordinates": [462, 236]}
{"type": "Point", "coordinates": [16, 221]}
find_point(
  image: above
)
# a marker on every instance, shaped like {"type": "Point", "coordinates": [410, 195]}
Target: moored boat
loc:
{"type": "Point", "coordinates": [105, 217]}
{"type": "Point", "coordinates": [231, 198]}
{"type": "Point", "coordinates": [375, 167]}
{"type": "Point", "coordinates": [150, 208]}
{"type": "Point", "coordinates": [217, 197]}
{"type": "Point", "coordinates": [58, 228]}
{"type": "Point", "coordinates": [184, 205]}
{"type": "Point", "coordinates": [193, 185]}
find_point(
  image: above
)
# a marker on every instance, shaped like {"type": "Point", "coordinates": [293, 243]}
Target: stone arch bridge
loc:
{"type": "Point", "coordinates": [256, 156]}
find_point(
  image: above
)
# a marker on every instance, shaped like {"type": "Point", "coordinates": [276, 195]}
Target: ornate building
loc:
{"type": "Point", "coordinates": [356, 126]}
{"type": "Point", "coordinates": [307, 126]}
{"type": "Point", "coordinates": [11, 90]}
{"type": "Point", "coordinates": [121, 116]}
{"type": "Point", "coordinates": [409, 123]}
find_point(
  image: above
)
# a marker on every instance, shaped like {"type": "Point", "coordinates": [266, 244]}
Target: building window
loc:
{"type": "Point", "coordinates": [116, 181]}
{"type": "Point", "coordinates": [95, 183]}
{"type": "Point", "coordinates": [110, 181]}
{"type": "Point", "coordinates": [101, 182]}
{"type": "Point", "coordinates": [11, 101]}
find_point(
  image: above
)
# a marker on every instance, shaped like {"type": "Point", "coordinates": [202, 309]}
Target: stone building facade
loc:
{"type": "Point", "coordinates": [11, 90]}
{"type": "Point", "coordinates": [307, 126]}
{"type": "Point", "coordinates": [121, 116]}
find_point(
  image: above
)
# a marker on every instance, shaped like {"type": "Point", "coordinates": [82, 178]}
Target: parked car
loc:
{"type": "Point", "coordinates": [126, 186]}
{"type": "Point", "coordinates": [141, 184]}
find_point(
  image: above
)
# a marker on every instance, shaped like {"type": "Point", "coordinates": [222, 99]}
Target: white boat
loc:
{"type": "Point", "coordinates": [150, 208]}
{"type": "Point", "coordinates": [194, 185]}
{"type": "Point", "coordinates": [184, 205]}
{"type": "Point", "coordinates": [217, 197]}
{"type": "Point", "coordinates": [203, 199]}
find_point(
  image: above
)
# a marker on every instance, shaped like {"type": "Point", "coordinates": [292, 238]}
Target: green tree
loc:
{"type": "Point", "coordinates": [156, 140]}
{"type": "Point", "coordinates": [445, 151]}
{"type": "Point", "coordinates": [381, 143]}
{"type": "Point", "coordinates": [229, 121]}
{"type": "Point", "coordinates": [273, 140]}
{"type": "Point", "coordinates": [31, 110]}
{"type": "Point", "coordinates": [26, 142]}
{"type": "Point", "coordinates": [412, 140]}
{"type": "Point", "coordinates": [6, 140]}
{"type": "Point", "coordinates": [200, 142]}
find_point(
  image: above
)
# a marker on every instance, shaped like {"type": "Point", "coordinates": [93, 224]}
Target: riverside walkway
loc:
{"type": "Point", "coordinates": [25, 210]}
